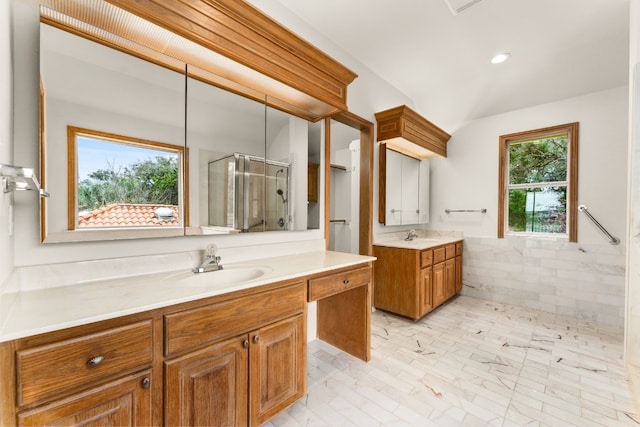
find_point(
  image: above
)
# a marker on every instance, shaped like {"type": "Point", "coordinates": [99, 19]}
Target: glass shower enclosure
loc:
{"type": "Point", "coordinates": [248, 194]}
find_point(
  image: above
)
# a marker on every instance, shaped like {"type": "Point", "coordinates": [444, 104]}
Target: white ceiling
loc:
{"type": "Point", "coordinates": [559, 49]}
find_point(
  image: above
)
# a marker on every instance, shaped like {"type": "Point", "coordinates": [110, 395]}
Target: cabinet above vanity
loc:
{"type": "Point", "coordinates": [404, 188]}
{"type": "Point", "coordinates": [407, 142]}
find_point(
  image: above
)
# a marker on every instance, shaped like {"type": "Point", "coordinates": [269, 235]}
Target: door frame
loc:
{"type": "Point", "coordinates": [365, 127]}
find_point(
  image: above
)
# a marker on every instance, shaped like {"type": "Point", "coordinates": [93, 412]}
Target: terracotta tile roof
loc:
{"type": "Point", "coordinates": [126, 215]}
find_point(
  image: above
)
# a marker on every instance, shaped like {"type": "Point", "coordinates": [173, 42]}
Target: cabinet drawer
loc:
{"type": "Point", "coordinates": [198, 327]}
{"type": "Point", "coordinates": [56, 368]}
{"type": "Point", "coordinates": [438, 255]}
{"type": "Point", "coordinates": [450, 251]}
{"type": "Point", "coordinates": [332, 284]}
{"type": "Point", "coordinates": [458, 248]}
{"type": "Point", "coordinates": [426, 258]}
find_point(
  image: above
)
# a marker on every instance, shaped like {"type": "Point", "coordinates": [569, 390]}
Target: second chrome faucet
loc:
{"type": "Point", "coordinates": [411, 235]}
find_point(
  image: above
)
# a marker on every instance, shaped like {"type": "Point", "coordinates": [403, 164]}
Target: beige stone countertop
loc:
{"type": "Point", "coordinates": [419, 243]}
{"type": "Point", "coordinates": [38, 311]}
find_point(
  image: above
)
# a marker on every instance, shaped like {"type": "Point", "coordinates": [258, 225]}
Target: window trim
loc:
{"type": "Point", "coordinates": [572, 172]}
{"type": "Point", "coordinates": [72, 165]}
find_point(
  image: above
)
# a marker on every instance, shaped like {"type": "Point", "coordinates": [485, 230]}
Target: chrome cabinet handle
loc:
{"type": "Point", "coordinates": [245, 343]}
{"type": "Point", "coordinates": [95, 361]}
{"type": "Point", "coordinates": [345, 281]}
{"type": "Point", "coordinates": [256, 339]}
{"type": "Point", "coordinates": [146, 383]}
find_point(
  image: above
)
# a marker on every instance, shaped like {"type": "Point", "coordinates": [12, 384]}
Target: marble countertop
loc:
{"type": "Point", "coordinates": [419, 243]}
{"type": "Point", "coordinates": [44, 310]}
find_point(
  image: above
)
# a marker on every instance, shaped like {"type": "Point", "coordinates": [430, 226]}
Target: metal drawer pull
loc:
{"type": "Point", "coordinates": [95, 361]}
{"type": "Point", "coordinates": [345, 281]}
{"type": "Point", "coordinates": [256, 339]}
{"type": "Point", "coordinates": [146, 383]}
{"type": "Point", "coordinates": [245, 343]}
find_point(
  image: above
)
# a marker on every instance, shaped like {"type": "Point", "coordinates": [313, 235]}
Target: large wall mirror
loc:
{"type": "Point", "coordinates": [107, 116]}
{"type": "Point", "coordinates": [134, 149]}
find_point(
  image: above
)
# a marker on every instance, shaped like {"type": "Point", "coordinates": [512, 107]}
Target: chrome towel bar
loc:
{"type": "Point", "coordinates": [612, 240]}
{"type": "Point", "coordinates": [483, 210]}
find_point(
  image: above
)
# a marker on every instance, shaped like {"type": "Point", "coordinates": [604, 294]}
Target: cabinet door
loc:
{"type": "Point", "coordinates": [393, 188]}
{"type": "Point", "coordinates": [458, 274]}
{"type": "Point", "coordinates": [450, 277]}
{"type": "Point", "coordinates": [124, 402]}
{"type": "Point", "coordinates": [423, 192]}
{"type": "Point", "coordinates": [410, 190]}
{"type": "Point", "coordinates": [277, 368]}
{"type": "Point", "coordinates": [439, 285]}
{"type": "Point", "coordinates": [426, 291]}
{"type": "Point", "coordinates": [209, 387]}
{"type": "Point", "coordinates": [312, 182]}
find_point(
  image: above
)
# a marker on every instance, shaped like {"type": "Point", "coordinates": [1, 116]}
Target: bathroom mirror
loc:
{"type": "Point", "coordinates": [248, 162]}
{"type": "Point", "coordinates": [107, 117]}
{"type": "Point", "coordinates": [224, 131]}
{"type": "Point", "coordinates": [287, 147]}
{"type": "Point", "coordinates": [240, 166]}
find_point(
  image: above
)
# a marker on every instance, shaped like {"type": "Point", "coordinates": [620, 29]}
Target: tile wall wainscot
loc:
{"type": "Point", "coordinates": [583, 281]}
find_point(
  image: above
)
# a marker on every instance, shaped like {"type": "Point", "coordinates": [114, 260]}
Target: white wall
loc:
{"type": "Point", "coordinates": [6, 116]}
{"type": "Point", "coordinates": [632, 330]}
{"type": "Point", "coordinates": [583, 279]}
{"type": "Point", "coordinates": [468, 177]}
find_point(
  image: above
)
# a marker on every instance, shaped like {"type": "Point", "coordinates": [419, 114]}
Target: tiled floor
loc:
{"type": "Point", "coordinates": [470, 363]}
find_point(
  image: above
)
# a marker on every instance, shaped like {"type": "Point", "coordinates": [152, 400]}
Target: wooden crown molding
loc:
{"type": "Point", "coordinates": [240, 32]}
{"type": "Point", "coordinates": [398, 125]}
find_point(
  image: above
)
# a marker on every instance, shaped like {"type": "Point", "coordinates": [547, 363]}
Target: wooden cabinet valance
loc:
{"type": "Point", "coordinates": [240, 32]}
{"type": "Point", "coordinates": [237, 46]}
{"type": "Point", "coordinates": [408, 132]}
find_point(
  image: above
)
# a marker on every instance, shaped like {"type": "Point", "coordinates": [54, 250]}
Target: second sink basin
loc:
{"type": "Point", "coordinates": [229, 275]}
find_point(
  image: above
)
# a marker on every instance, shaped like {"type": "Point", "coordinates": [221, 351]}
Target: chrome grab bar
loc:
{"type": "Point", "coordinates": [400, 210]}
{"type": "Point", "coordinates": [612, 240]}
{"type": "Point", "coordinates": [483, 210]}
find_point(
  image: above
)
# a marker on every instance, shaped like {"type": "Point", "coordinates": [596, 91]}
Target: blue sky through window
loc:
{"type": "Point", "coordinates": [95, 154]}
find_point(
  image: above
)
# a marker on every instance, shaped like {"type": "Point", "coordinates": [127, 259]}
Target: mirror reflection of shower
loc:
{"type": "Point", "coordinates": [280, 208]}
{"type": "Point", "coordinates": [254, 191]}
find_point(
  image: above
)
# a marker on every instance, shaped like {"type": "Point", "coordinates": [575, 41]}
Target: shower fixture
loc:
{"type": "Point", "coordinates": [281, 194]}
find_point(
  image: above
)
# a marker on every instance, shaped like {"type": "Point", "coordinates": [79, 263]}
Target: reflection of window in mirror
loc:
{"type": "Point", "coordinates": [117, 181]}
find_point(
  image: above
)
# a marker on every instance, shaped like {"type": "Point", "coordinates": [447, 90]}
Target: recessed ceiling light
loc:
{"type": "Point", "coordinates": [500, 58]}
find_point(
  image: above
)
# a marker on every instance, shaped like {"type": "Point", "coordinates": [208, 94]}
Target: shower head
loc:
{"type": "Point", "coordinates": [281, 194]}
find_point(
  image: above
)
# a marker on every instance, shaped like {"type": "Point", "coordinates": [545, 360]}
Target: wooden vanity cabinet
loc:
{"type": "Point", "coordinates": [124, 402]}
{"type": "Point", "coordinates": [245, 359]}
{"type": "Point", "coordinates": [232, 359]}
{"type": "Point", "coordinates": [99, 375]}
{"type": "Point", "coordinates": [412, 282]}
{"type": "Point", "coordinates": [344, 308]}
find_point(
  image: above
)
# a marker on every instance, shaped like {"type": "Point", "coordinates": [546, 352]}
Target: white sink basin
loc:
{"type": "Point", "coordinates": [229, 275]}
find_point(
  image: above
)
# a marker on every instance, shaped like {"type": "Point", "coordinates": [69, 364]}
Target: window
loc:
{"type": "Point", "coordinates": [118, 181]}
{"type": "Point", "coordinates": [538, 182]}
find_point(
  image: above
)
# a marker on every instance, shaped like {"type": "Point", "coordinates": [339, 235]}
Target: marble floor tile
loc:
{"type": "Point", "coordinates": [470, 362]}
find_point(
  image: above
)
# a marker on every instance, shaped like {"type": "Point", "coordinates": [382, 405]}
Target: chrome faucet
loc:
{"type": "Point", "coordinates": [411, 235]}
{"type": "Point", "coordinates": [211, 260]}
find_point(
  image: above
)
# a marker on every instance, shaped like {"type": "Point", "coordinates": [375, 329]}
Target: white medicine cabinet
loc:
{"type": "Point", "coordinates": [404, 189]}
